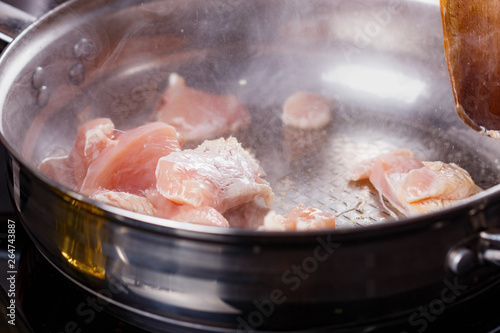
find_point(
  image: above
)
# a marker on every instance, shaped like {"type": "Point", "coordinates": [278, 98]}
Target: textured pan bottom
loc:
{"type": "Point", "coordinates": [313, 167]}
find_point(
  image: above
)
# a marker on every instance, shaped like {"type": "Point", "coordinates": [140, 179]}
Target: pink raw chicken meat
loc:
{"type": "Point", "coordinates": [306, 110]}
{"type": "Point", "coordinates": [129, 165]}
{"type": "Point", "coordinates": [299, 218]}
{"type": "Point", "coordinates": [249, 216]}
{"type": "Point", "coordinates": [155, 205]}
{"type": "Point", "coordinates": [185, 213]}
{"type": "Point", "coordinates": [91, 139]}
{"type": "Point", "coordinates": [218, 173]}
{"type": "Point", "coordinates": [198, 115]}
{"type": "Point", "coordinates": [126, 201]}
{"type": "Point", "coordinates": [413, 186]}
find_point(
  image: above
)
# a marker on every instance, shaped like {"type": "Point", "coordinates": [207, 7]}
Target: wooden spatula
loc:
{"type": "Point", "coordinates": [471, 31]}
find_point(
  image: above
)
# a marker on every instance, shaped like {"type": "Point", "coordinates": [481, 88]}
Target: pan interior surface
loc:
{"type": "Point", "coordinates": [310, 167]}
{"type": "Point", "coordinates": [386, 94]}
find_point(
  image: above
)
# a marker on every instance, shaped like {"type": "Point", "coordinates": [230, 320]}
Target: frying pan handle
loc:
{"type": "Point", "coordinates": [13, 21]}
{"type": "Point", "coordinates": [489, 247]}
{"type": "Point", "coordinates": [483, 249]}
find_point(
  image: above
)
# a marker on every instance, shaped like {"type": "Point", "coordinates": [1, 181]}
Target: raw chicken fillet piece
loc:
{"type": "Point", "coordinates": [129, 164]}
{"type": "Point", "coordinates": [299, 218]}
{"type": "Point", "coordinates": [413, 186]}
{"type": "Point", "coordinates": [198, 115]}
{"type": "Point", "coordinates": [306, 110]}
{"type": "Point", "coordinates": [155, 205]}
{"type": "Point", "coordinates": [185, 213]}
{"type": "Point", "coordinates": [91, 139]}
{"type": "Point", "coordinates": [248, 216]}
{"type": "Point", "coordinates": [126, 201]}
{"type": "Point", "coordinates": [218, 173]}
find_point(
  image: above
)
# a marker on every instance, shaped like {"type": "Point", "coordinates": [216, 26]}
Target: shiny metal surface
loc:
{"type": "Point", "coordinates": [489, 247]}
{"type": "Point", "coordinates": [382, 63]}
{"type": "Point", "coordinates": [13, 22]}
{"type": "Point", "coordinates": [462, 260]}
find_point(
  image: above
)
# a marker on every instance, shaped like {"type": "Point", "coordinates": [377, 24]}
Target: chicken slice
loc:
{"type": "Point", "coordinates": [248, 216]}
{"type": "Point", "coordinates": [413, 186]}
{"type": "Point", "coordinates": [437, 185]}
{"type": "Point", "coordinates": [92, 138]}
{"type": "Point", "coordinates": [218, 173]}
{"type": "Point", "coordinates": [306, 110]}
{"type": "Point", "coordinates": [70, 170]}
{"type": "Point", "coordinates": [202, 215]}
{"type": "Point", "coordinates": [156, 205]}
{"type": "Point", "coordinates": [126, 201]}
{"type": "Point", "coordinates": [185, 213]}
{"type": "Point", "coordinates": [299, 218]}
{"type": "Point", "coordinates": [198, 115]}
{"type": "Point", "coordinates": [404, 156]}
{"type": "Point", "coordinates": [129, 165]}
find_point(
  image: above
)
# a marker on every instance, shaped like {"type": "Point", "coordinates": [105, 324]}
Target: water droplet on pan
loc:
{"type": "Point", "coordinates": [76, 74]}
{"type": "Point", "coordinates": [43, 96]}
{"type": "Point", "coordinates": [85, 49]}
{"type": "Point", "coordinates": [38, 78]}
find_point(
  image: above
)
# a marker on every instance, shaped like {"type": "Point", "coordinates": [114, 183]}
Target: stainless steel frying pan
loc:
{"type": "Point", "coordinates": [383, 64]}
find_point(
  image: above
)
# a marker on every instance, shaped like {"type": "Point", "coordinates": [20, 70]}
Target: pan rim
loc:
{"type": "Point", "coordinates": [150, 223]}
{"type": "Point", "coordinates": [147, 223]}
